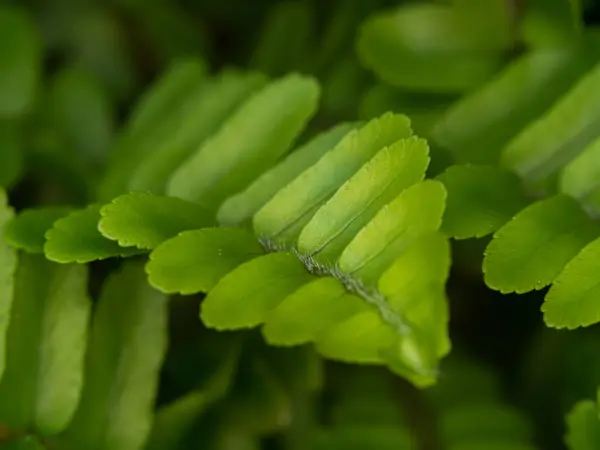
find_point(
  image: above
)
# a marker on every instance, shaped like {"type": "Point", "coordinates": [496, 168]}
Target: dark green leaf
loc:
{"type": "Point", "coordinates": [28, 229]}
{"type": "Point", "coordinates": [480, 200]}
{"type": "Point", "coordinates": [250, 142]}
{"type": "Point", "coordinates": [76, 238]}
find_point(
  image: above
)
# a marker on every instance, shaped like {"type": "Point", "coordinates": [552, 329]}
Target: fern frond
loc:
{"type": "Point", "coordinates": [580, 179]}
{"type": "Point", "coordinates": [572, 301]}
{"type": "Point", "coordinates": [558, 136]}
{"type": "Point", "coordinates": [28, 229]}
{"type": "Point", "coordinates": [240, 207]}
{"type": "Point", "coordinates": [465, 50]}
{"type": "Point", "coordinates": [531, 250]}
{"type": "Point", "coordinates": [215, 102]}
{"type": "Point", "coordinates": [126, 350]}
{"type": "Point", "coordinates": [283, 217]}
{"type": "Point", "coordinates": [76, 238]}
{"type": "Point", "coordinates": [196, 260]}
{"type": "Point", "coordinates": [251, 141]}
{"type": "Point", "coordinates": [143, 220]}
{"type": "Point", "coordinates": [478, 126]}
{"type": "Point", "coordinates": [378, 182]}
{"type": "Point", "coordinates": [480, 200]}
{"type": "Point", "coordinates": [46, 343]}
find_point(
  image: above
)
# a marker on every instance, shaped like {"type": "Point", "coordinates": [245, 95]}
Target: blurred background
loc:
{"type": "Point", "coordinates": [71, 70]}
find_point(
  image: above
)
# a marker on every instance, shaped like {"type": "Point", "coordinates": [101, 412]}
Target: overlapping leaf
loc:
{"type": "Point", "coordinates": [144, 220]}
{"type": "Point", "coordinates": [28, 229]}
{"type": "Point", "coordinates": [76, 238]}
{"type": "Point", "coordinates": [480, 200]}
{"type": "Point", "coordinates": [154, 121]}
{"type": "Point", "coordinates": [478, 126]}
{"type": "Point", "coordinates": [241, 207]}
{"type": "Point", "coordinates": [572, 301]}
{"type": "Point", "coordinates": [581, 178]}
{"type": "Point", "coordinates": [251, 141]}
{"type": "Point", "coordinates": [214, 104]}
{"type": "Point", "coordinates": [196, 260]}
{"type": "Point", "coordinates": [284, 216]}
{"type": "Point", "coordinates": [531, 250]}
{"type": "Point", "coordinates": [376, 184]}
{"type": "Point", "coordinates": [557, 137]}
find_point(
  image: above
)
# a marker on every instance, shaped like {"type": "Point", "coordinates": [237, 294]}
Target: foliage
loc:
{"type": "Point", "coordinates": [311, 188]}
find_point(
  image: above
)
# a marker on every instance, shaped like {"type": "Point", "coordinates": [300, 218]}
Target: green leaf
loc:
{"type": "Point", "coordinates": [46, 339]}
{"type": "Point", "coordinates": [180, 91]}
{"type": "Point", "coordinates": [127, 345]}
{"type": "Point", "coordinates": [583, 427]}
{"type": "Point", "coordinates": [173, 86]}
{"type": "Point", "coordinates": [215, 103]}
{"type": "Point", "coordinates": [196, 260]}
{"type": "Point", "coordinates": [309, 310]}
{"type": "Point", "coordinates": [415, 212]}
{"type": "Point", "coordinates": [250, 142]}
{"type": "Point", "coordinates": [581, 178]}
{"type": "Point", "coordinates": [76, 238]}
{"type": "Point", "coordinates": [479, 125]}
{"type": "Point", "coordinates": [283, 217]}
{"type": "Point", "coordinates": [459, 55]}
{"type": "Point", "coordinates": [558, 136]}
{"type": "Point", "coordinates": [532, 249]}
{"type": "Point", "coordinates": [144, 220]}
{"type": "Point", "coordinates": [12, 154]}
{"type": "Point", "coordinates": [378, 182]}
{"type": "Point", "coordinates": [572, 301]}
{"type": "Point", "coordinates": [20, 60]}
{"type": "Point", "coordinates": [8, 265]}
{"type": "Point", "coordinates": [27, 230]}
{"type": "Point", "coordinates": [480, 200]}
{"type": "Point", "coordinates": [244, 297]}
{"type": "Point", "coordinates": [241, 207]}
